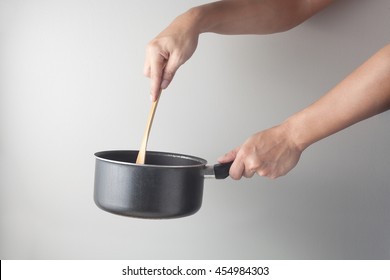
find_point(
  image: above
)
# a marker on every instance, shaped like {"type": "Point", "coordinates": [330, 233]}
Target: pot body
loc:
{"type": "Point", "coordinates": [166, 186]}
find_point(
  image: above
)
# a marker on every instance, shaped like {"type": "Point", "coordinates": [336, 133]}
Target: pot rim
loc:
{"type": "Point", "coordinates": [201, 162]}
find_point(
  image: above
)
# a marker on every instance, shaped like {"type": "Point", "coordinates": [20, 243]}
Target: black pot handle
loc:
{"type": "Point", "coordinates": [221, 170]}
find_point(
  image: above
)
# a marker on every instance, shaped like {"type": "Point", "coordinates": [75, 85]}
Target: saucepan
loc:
{"type": "Point", "coordinates": [168, 185]}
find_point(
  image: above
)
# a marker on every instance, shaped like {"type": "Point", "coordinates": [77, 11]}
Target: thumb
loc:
{"type": "Point", "coordinates": [228, 157]}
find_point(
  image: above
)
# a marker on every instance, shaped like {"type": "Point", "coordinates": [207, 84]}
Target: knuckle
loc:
{"type": "Point", "coordinates": [168, 75]}
{"type": "Point", "coordinates": [252, 165]}
{"type": "Point", "coordinates": [244, 152]}
{"type": "Point", "coordinates": [264, 172]}
{"type": "Point", "coordinates": [153, 44]}
{"type": "Point", "coordinates": [268, 173]}
{"type": "Point", "coordinates": [147, 72]}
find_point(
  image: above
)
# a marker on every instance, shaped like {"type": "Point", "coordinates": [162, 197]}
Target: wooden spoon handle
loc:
{"type": "Point", "coordinates": [142, 150]}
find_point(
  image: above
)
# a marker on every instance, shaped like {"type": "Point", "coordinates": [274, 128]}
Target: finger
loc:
{"type": "Point", "coordinates": [252, 165]}
{"type": "Point", "coordinates": [154, 67]}
{"type": "Point", "coordinates": [248, 173]}
{"type": "Point", "coordinates": [228, 157]}
{"type": "Point", "coordinates": [269, 171]}
{"type": "Point", "coordinates": [147, 67]}
{"type": "Point", "coordinates": [169, 71]}
{"type": "Point", "coordinates": [237, 169]}
{"type": "Point", "coordinates": [156, 71]}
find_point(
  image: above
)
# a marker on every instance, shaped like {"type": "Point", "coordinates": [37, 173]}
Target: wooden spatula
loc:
{"type": "Point", "coordinates": [142, 150]}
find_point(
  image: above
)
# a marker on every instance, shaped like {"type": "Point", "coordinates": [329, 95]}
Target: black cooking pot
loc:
{"type": "Point", "coordinates": [168, 185]}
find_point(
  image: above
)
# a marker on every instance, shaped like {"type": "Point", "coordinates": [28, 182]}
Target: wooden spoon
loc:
{"type": "Point", "coordinates": [142, 150]}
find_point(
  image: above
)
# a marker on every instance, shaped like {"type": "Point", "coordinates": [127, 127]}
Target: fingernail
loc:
{"type": "Point", "coordinates": [164, 84]}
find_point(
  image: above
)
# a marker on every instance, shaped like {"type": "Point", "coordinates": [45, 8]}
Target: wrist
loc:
{"type": "Point", "coordinates": [299, 134]}
{"type": "Point", "coordinates": [198, 19]}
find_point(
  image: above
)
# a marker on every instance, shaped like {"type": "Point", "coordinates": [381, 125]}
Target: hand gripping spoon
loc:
{"type": "Point", "coordinates": [142, 150]}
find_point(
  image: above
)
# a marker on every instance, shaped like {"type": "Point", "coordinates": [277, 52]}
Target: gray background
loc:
{"type": "Point", "coordinates": [71, 84]}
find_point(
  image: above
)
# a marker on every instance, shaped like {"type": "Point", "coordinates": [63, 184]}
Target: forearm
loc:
{"type": "Point", "coordinates": [251, 16]}
{"type": "Point", "coordinates": [364, 93]}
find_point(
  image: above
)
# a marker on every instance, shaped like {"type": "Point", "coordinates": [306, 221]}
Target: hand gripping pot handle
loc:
{"type": "Point", "coordinates": [218, 171]}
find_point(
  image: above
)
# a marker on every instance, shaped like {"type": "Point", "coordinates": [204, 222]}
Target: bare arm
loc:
{"type": "Point", "coordinates": [254, 16]}
{"type": "Point", "coordinates": [363, 94]}
{"type": "Point", "coordinates": [176, 44]}
{"type": "Point", "coordinates": [274, 152]}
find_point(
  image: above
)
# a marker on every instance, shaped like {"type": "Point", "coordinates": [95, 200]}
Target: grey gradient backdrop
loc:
{"type": "Point", "coordinates": [71, 84]}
